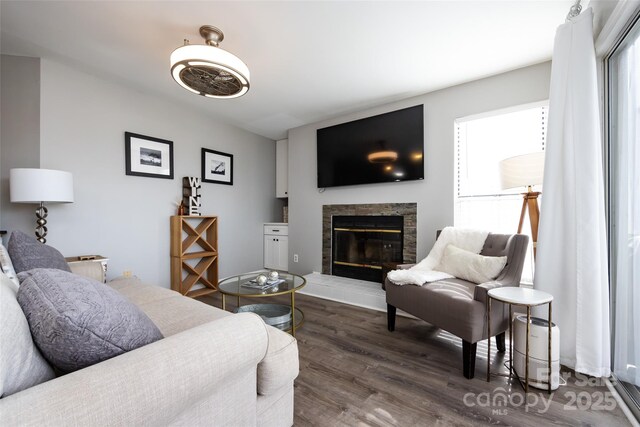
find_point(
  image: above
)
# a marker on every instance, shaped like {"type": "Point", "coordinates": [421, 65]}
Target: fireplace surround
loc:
{"type": "Point", "coordinates": [362, 252]}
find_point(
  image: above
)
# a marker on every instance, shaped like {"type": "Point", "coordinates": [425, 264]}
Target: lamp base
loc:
{"type": "Point", "coordinates": [530, 200]}
{"type": "Point", "coordinates": [41, 228]}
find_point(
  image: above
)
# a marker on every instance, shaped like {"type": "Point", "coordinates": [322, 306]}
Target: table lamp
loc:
{"type": "Point", "coordinates": [526, 170]}
{"type": "Point", "coordinates": [29, 185]}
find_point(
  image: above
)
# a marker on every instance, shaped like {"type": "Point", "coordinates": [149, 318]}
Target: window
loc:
{"type": "Point", "coordinates": [623, 67]}
{"type": "Point", "coordinates": [481, 142]}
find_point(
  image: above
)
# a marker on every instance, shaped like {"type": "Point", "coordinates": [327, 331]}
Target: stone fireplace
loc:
{"type": "Point", "coordinates": [358, 239]}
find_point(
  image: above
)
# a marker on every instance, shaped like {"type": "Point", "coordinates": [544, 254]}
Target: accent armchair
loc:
{"type": "Point", "coordinates": [459, 306]}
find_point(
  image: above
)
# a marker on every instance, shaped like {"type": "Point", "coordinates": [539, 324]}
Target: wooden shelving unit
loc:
{"type": "Point", "coordinates": [196, 254]}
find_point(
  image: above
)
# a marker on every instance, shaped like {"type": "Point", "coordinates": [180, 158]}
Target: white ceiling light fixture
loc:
{"type": "Point", "coordinates": [208, 70]}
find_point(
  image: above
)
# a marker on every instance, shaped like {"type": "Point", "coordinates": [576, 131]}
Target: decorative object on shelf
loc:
{"type": "Point", "coordinates": [191, 186]}
{"type": "Point", "coordinates": [148, 156]}
{"type": "Point", "coordinates": [181, 208]}
{"type": "Point", "coordinates": [285, 214]}
{"type": "Point", "coordinates": [200, 244]}
{"type": "Point", "coordinates": [273, 275]}
{"type": "Point", "coordinates": [40, 186]}
{"type": "Point", "coordinates": [260, 284]}
{"type": "Point", "coordinates": [217, 167]}
{"type": "Point", "coordinates": [526, 170]}
{"type": "Point", "coordinates": [208, 70]}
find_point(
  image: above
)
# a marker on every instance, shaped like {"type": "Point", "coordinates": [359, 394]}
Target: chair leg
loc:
{"type": "Point", "coordinates": [391, 317]}
{"type": "Point", "coordinates": [500, 342]}
{"type": "Point", "coordinates": [468, 359]}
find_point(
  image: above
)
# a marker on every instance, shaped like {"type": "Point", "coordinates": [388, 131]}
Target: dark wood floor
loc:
{"type": "Point", "coordinates": [354, 372]}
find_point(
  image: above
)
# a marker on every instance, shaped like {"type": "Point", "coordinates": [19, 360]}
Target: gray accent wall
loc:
{"type": "Point", "coordinates": [19, 132]}
{"type": "Point", "coordinates": [126, 218]}
{"type": "Point", "coordinates": [434, 195]}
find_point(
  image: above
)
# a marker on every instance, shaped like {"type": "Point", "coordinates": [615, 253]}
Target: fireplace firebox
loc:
{"type": "Point", "coordinates": [361, 244]}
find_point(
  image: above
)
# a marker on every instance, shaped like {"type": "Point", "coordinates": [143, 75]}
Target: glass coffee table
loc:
{"type": "Point", "coordinates": [232, 286]}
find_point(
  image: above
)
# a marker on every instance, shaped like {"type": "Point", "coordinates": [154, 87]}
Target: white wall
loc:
{"type": "Point", "coordinates": [126, 218]}
{"type": "Point", "coordinates": [20, 132]}
{"type": "Point", "coordinates": [434, 195]}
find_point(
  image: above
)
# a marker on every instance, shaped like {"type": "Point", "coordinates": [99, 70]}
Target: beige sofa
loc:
{"type": "Point", "coordinates": [212, 368]}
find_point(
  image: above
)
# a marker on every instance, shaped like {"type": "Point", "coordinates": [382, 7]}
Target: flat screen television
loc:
{"type": "Point", "coordinates": [384, 148]}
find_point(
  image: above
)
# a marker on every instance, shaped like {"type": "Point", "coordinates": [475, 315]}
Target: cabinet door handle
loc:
{"type": "Point", "coordinates": [275, 231]}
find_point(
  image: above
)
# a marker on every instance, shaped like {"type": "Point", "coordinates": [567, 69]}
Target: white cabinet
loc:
{"type": "Point", "coordinates": [282, 168]}
{"type": "Point", "coordinates": [276, 246]}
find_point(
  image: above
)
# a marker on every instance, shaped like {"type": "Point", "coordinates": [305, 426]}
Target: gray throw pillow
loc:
{"type": "Point", "coordinates": [27, 253]}
{"type": "Point", "coordinates": [77, 322]}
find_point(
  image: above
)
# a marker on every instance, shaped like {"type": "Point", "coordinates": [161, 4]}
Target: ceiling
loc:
{"type": "Point", "coordinates": [309, 61]}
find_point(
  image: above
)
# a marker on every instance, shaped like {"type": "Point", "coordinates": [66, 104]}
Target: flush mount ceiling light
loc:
{"type": "Point", "coordinates": [208, 70]}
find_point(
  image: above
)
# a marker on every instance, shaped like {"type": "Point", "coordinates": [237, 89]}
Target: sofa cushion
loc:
{"type": "Point", "coordinates": [469, 266]}
{"type": "Point", "coordinates": [27, 253]}
{"type": "Point", "coordinates": [21, 364]}
{"type": "Point", "coordinates": [7, 266]}
{"type": "Point", "coordinates": [77, 322]}
{"type": "Point", "coordinates": [280, 365]}
{"type": "Point", "coordinates": [171, 312]}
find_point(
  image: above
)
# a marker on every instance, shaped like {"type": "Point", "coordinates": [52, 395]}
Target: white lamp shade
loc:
{"type": "Point", "coordinates": [522, 171]}
{"type": "Point", "coordinates": [40, 185]}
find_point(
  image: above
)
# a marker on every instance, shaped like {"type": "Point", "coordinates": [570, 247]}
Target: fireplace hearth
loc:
{"type": "Point", "coordinates": [361, 244]}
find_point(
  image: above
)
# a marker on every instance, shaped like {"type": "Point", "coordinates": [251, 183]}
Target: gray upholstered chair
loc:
{"type": "Point", "coordinates": [459, 306]}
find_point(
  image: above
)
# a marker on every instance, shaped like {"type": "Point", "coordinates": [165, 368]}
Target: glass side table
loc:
{"type": "Point", "coordinates": [232, 286]}
{"type": "Point", "coordinates": [527, 298]}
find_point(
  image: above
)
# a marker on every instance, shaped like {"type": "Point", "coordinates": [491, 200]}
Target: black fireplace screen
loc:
{"type": "Point", "coordinates": [361, 244]}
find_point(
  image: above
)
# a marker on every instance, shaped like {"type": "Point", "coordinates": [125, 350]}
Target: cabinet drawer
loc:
{"type": "Point", "coordinates": [278, 230]}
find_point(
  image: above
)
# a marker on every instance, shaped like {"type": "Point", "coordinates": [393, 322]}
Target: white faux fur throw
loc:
{"type": "Point", "coordinates": [424, 271]}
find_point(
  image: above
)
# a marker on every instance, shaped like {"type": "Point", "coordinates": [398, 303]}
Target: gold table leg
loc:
{"type": "Point", "coordinates": [549, 339]}
{"type": "Point", "coordinates": [293, 314]}
{"type": "Point", "coordinates": [224, 303]}
{"type": "Point", "coordinates": [510, 339]}
{"type": "Point", "coordinates": [526, 363]}
{"type": "Point", "coordinates": [489, 340]}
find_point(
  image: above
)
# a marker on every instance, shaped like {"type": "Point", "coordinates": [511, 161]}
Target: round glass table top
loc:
{"type": "Point", "coordinates": [236, 285]}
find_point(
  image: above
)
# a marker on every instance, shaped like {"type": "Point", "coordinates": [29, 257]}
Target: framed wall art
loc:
{"type": "Point", "coordinates": [148, 156]}
{"type": "Point", "coordinates": [217, 167]}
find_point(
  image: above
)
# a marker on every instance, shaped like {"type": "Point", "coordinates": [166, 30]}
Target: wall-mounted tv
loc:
{"type": "Point", "coordinates": [384, 148]}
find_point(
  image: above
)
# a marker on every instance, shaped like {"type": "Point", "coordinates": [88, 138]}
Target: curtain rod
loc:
{"type": "Point", "coordinates": [574, 10]}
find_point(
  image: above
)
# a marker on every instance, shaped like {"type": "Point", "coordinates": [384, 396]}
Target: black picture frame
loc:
{"type": "Point", "coordinates": [217, 167]}
{"type": "Point", "coordinates": [143, 154]}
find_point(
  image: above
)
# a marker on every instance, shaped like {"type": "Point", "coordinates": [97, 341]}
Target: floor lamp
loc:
{"type": "Point", "coordinates": [526, 171]}
{"type": "Point", "coordinates": [40, 186]}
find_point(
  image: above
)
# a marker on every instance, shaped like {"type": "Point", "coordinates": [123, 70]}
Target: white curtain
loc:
{"type": "Point", "coordinates": [572, 248]}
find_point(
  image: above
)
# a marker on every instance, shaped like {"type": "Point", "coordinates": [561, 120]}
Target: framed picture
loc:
{"type": "Point", "coordinates": [217, 167]}
{"type": "Point", "coordinates": [148, 156]}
